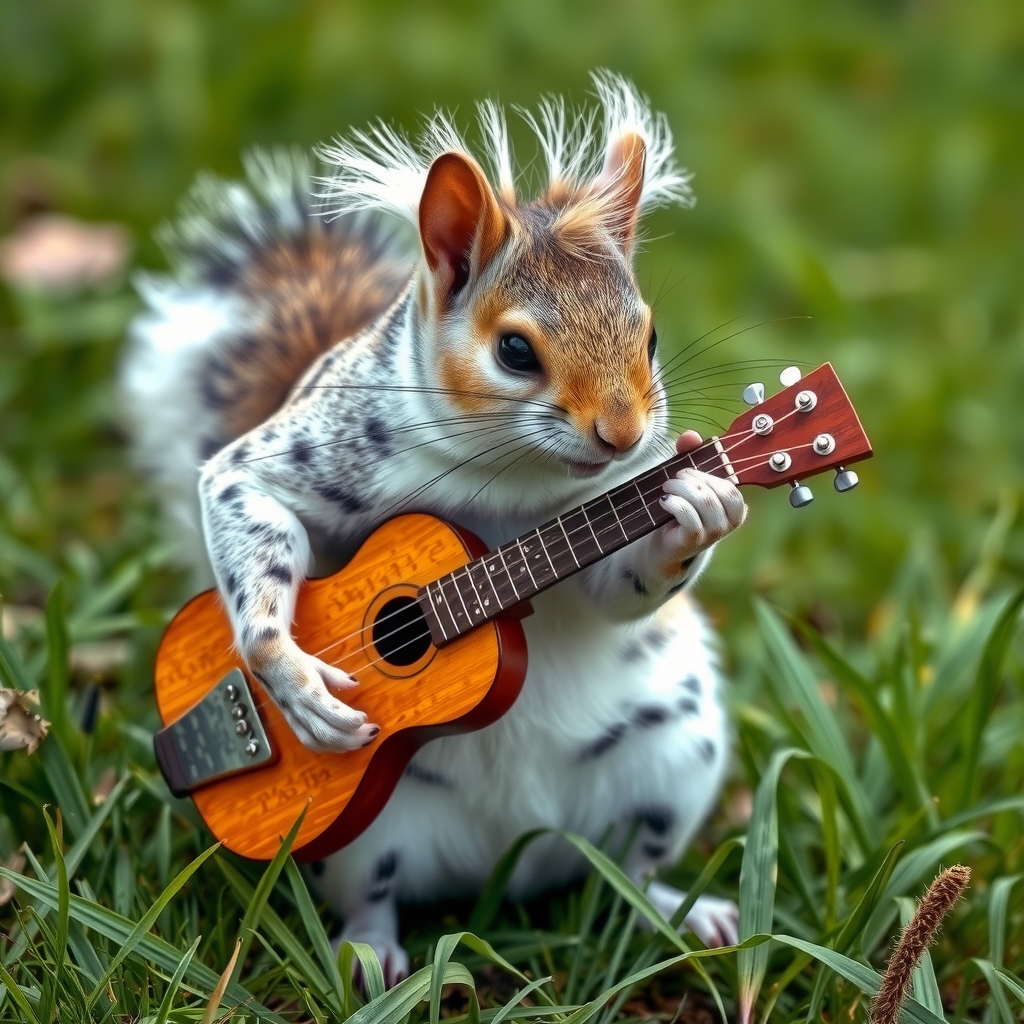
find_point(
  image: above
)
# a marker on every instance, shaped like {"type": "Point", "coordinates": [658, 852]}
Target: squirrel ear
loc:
{"type": "Point", "coordinates": [461, 223]}
{"type": "Point", "coordinates": [620, 185]}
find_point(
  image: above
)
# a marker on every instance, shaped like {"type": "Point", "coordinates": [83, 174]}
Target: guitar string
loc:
{"type": "Point", "coordinates": [707, 447]}
{"type": "Point", "coordinates": [423, 636]}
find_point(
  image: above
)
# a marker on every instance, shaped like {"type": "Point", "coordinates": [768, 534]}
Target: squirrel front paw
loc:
{"type": "Point", "coordinates": [706, 509]}
{"type": "Point", "coordinates": [298, 684]}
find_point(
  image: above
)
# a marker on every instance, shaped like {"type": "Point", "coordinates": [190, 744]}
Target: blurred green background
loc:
{"type": "Point", "coordinates": [857, 164]}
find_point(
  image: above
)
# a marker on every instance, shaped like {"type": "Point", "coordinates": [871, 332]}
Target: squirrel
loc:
{"type": "Point", "coordinates": [301, 378]}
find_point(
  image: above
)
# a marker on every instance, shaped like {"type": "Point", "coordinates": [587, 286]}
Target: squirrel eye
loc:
{"type": "Point", "coordinates": [516, 353]}
{"type": "Point", "coordinates": [652, 345]}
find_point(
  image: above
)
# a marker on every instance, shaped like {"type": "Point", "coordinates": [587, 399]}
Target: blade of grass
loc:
{"type": "Point", "coordinates": [995, 987]}
{"type": "Point", "coordinates": [369, 964]}
{"type": "Point", "coordinates": [902, 769]}
{"type": "Point", "coordinates": [854, 924]}
{"type": "Point", "coordinates": [164, 1009]}
{"type": "Point", "coordinates": [830, 840]}
{"type": "Point", "coordinates": [149, 918]}
{"type": "Point", "coordinates": [588, 1010]}
{"type": "Point", "coordinates": [592, 891]}
{"type": "Point", "coordinates": [77, 853]}
{"type": "Point", "coordinates": [446, 946]}
{"type": "Point", "coordinates": [55, 694]}
{"type": "Point", "coordinates": [511, 1005]}
{"type": "Point", "coordinates": [757, 881]}
{"type": "Point", "coordinates": [997, 904]}
{"type": "Point", "coordinates": [1012, 984]}
{"type": "Point", "coordinates": [64, 784]}
{"type": "Point", "coordinates": [17, 996]}
{"type": "Point", "coordinates": [983, 695]}
{"type": "Point", "coordinates": [276, 929]}
{"type": "Point", "coordinates": [489, 900]}
{"type": "Point", "coordinates": [397, 1003]}
{"type": "Point", "coordinates": [317, 935]}
{"type": "Point", "coordinates": [60, 943]}
{"type": "Point", "coordinates": [253, 910]}
{"type": "Point", "coordinates": [823, 735]}
{"type": "Point", "coordinates": [12, 671]}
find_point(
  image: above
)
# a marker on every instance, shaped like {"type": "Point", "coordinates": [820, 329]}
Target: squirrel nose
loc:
{"type": "Point", "coordinates": [618, 434]}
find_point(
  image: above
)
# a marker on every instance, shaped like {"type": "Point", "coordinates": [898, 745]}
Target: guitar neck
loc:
{"type": "Point", "coordinates": [805, 429]}
{"type": "Point", "coordinates": [459, 602]}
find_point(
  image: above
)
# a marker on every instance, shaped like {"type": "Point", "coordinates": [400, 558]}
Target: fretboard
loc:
{"type": "Point", "coordinates": [459, 602]}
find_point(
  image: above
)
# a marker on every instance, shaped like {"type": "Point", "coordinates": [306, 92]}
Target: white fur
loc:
{"type": "Point", "coordinates": [381, 169]}
{"type": "Point", "coordinates": [160, 384]}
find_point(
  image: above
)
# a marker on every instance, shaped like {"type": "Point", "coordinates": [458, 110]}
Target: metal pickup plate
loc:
{"type": "Point", "coordinates": [220, 736]}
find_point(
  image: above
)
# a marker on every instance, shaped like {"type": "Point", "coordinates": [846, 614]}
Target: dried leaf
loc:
{"type": "Point", "coordinates": [20, 727]}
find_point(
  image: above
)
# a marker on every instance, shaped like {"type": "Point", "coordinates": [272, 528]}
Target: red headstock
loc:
{"type": "Point", "coordinates": [805, 429]}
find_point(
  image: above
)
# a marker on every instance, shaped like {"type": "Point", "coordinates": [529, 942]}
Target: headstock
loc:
{"type": "Point", "coordinates": [808, 427]}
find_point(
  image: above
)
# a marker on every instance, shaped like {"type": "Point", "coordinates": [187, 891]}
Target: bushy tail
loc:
{"type": "Point", "coordinates": [260, 286]}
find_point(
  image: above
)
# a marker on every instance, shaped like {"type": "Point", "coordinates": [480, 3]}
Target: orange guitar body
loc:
{"type": "Point", "coordinates": [456, 688]}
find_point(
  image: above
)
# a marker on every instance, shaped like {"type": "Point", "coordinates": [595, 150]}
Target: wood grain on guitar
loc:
{"type": "Point", "coordinates": [427, 621]}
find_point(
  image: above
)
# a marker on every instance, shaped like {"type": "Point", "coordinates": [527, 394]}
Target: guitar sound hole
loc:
{"type": "Point", "coordinates": [400, 632]}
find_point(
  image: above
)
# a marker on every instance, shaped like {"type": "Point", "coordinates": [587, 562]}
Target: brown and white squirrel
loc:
{"type": "Point", "coordinates": [301, 378]}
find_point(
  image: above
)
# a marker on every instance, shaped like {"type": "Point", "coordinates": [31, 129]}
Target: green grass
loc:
{"type": "Point", "coordinates": [907, 758]}
{"type": "Point", "coordinates": [858, 164]}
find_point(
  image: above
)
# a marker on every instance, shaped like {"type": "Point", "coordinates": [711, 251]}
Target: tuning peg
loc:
{"type": "Point", "coordinates": [753, 394]}
{"type": "Point", "coordinates": [790, 375]}
{"type": "Point", "coordinates": [800, 495]}
{"type": "Point", "coordinates": [845, 480]}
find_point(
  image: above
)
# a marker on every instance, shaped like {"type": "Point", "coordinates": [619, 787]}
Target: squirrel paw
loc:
{"type": "Point", "coordinates": [706, 509]}
{"type": "Point", "coordinates": [298, 683]}
{"type": "Point", "coordinates": [715, 921]}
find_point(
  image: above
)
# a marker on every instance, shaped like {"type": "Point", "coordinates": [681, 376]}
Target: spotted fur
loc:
{"type": "Point", "coordinates": [402, 403]}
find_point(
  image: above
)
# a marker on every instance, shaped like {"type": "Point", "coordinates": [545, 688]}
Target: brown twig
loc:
{"type": "Point", "coordinates": [942, 894]}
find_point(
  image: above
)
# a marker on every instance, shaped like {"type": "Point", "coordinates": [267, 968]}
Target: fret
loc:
{"type": "Point", "coordinates": [499, 580]}
{"type": "Point", "coordinates": [525, 560]}
{"type": "Point", "coordinates": [538, 561]}
{"type": "Point", "coordinates": [615, 512]}
{"type": "Point", "coordinates": [605, 524]}
{"type": "Point", "coordinates": [458, 590]}
{"type": "Point", "coordinates": [558, 549]}
{"type": "Point", "coordinates": [458, 611]}
{"type": "Point", "coordinates": [582, 540]}
{"type": "Point", "coordinates": [643, 501]}
{"type": "Point", "coordinates": [476, 593]}
{"type": "Point", "coordinates": [439, 602]}
{"type": "Point", "coordinates": [593, 533]}
{"type": "Point", "coordinates": [631, 511]}
{"type": "Point", "coordinates": [568, 542]}
{"type": "Point", "coordinates": [651, 493]}
{"type": "Point", "coordinates": [480, 567]}
{"type": "Point", "coordinates": [504, 562]}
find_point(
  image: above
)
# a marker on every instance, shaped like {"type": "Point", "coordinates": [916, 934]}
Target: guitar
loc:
{"type": "Point", "coordinates": [427, 621]}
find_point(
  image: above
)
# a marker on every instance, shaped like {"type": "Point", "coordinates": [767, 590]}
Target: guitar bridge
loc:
{"type": "Point", "coordinates": [222, 735]}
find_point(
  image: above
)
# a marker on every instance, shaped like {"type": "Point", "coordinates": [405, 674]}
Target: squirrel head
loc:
{"type": "Point", "coordinates": [528, 311]}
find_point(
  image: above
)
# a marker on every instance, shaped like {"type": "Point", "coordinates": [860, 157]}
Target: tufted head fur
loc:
{"type": "Point", "coordinates": [554, 270]}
